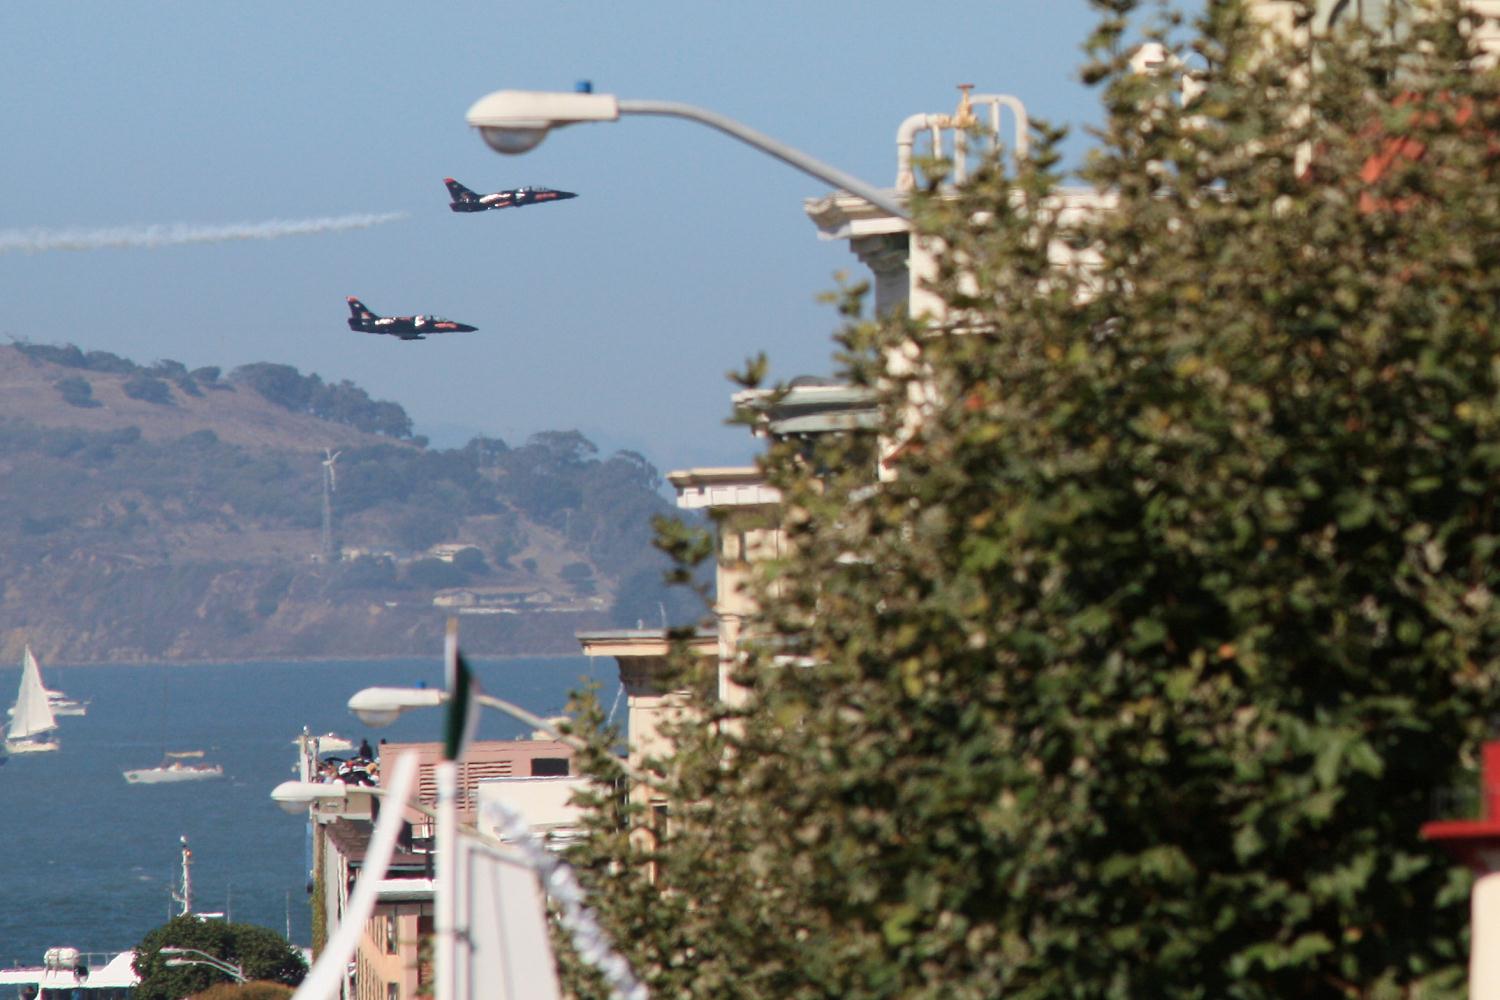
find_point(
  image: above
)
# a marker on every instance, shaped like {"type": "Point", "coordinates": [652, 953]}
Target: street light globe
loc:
{"type": "Point", "coordinates": [377, 718]}
{"type": "Point", "coordinates": [514, 139]}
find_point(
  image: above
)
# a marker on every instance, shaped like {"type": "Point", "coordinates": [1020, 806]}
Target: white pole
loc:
{"type": "Point", "coordinates": [445, 968]}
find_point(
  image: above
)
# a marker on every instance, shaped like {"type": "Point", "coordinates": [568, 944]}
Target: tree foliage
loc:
{"type": "Point", "coordinates": [77, 392]}
{"type": "Point", "coordinates": [261, 953]}
{"type": "Point", "coordinates": [148, 388]}
{"type": "Point", "coordinates": [343, 402]}
{"type": "Point", "coordinates": [1139, 676]}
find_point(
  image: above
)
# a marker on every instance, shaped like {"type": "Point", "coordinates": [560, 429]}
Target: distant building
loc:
{"type": "Point", "coordinates": [454, 599]}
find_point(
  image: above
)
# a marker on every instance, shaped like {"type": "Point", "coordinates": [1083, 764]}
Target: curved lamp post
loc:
{"type": "Point", "coordinates": [515, 121]}
{"type": "Point", "coordinates": [381, 706]}
{"type": "Point", "coordinates": [192, 956]}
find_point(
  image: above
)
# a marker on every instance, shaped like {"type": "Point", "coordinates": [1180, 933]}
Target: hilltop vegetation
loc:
{"type": "Point", "coordinates": [161, 513]}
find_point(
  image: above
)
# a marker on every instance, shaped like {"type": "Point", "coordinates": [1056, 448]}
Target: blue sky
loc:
{"type": "Point", "coordinates": [616, 313]}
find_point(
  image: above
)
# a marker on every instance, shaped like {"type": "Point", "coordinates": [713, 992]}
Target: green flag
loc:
{"type": "Point", "coordinates": [458, 730]}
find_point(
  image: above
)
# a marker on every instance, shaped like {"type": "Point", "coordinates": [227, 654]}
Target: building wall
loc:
{"type": "Point", "coordinates": [485, 759]}
{"type": "Point", "coordinates": [388, 964]}
{"type": "Point", "coordinates": [741, 545]}
{"type": "Point", "coordinates": [545, 804]}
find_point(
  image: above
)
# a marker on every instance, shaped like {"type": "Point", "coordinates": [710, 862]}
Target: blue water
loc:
{"type": "Point", "coordinates": [90, 860]}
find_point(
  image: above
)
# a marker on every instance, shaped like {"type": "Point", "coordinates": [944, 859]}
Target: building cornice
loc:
{"type": "Point", "coordinates": [722, 486]}
{"type": "Point", "coordinates": [649, 643]}
{"type": "Point", "coordinates": [841, 216]}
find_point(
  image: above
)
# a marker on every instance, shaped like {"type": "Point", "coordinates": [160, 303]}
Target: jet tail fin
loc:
{"type": "Point", "coordinates": [458, 192]}
{"type": "Point", "coordinates": [358, 310]}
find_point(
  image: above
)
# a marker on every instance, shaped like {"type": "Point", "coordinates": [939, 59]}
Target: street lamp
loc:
{"type": "Point", "coordinates": [516, 121]}
{"type": "Point", "coordinates": [381, 706]}
{"type": "Point", "coordinates": [192, 956]}
{"type": "Point", "coordinates": [295, 796]}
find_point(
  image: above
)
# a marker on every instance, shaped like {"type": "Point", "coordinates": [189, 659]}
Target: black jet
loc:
{"type": "Point", "coordinates": [405, 327]}
{"type": "Point", "coordinates": [465, 200]}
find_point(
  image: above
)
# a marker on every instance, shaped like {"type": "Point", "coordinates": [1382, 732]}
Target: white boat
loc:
{"type": "Point", "coordinates": [183, 765]}
{"type": "Point", "coordinates": [60, 704]}
{"type": "Point", "coordinates": [31, 718]}
{"type": "Point", "coordinates": [326, 743]}
{"type": "Point", "coordinates": [63, 705]}
{"type": "Point", "coordinates": [68, 972]}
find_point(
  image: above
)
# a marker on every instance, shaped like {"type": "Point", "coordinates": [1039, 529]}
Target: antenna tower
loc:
{"type": "Point", "coordinates": [330, 483]}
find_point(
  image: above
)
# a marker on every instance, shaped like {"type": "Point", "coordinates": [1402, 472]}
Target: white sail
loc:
{"type": "Point", "coordinates": [32, 714]}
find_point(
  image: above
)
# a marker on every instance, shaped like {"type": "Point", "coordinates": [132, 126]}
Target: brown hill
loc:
{"type": "Point", "coordinates": [159, 514]}
{"type": "Point", "coordinates": [29, 390]}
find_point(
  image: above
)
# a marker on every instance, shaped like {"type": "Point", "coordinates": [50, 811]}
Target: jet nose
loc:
{"type": "Point", "coordinates": [565, 195]}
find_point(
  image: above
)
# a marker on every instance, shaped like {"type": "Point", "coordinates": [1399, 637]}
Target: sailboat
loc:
{"type": "Point", "coordinates": [179, 765]}
{"type": "Point", "coordinates": [32, 716]}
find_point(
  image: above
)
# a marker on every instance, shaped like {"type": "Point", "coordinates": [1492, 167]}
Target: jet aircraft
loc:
{"type": "Point", "coordinates": [465, 200]}
{"type": "Point", "coordinates": [405, 327]}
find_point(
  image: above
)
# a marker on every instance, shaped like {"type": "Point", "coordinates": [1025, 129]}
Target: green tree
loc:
{"type": "Point", "coordinates": [470, 561]}
{"type": "Point", "coordinates": [77, 391]}
{"type": "Point", "coordinates": [148, 388]}
{"type": "Point", "coordinates": [266, 955]}
{"type": "Point", "coordinates": [261, 953]}
{"type": "Point", "coordinates": [1138, 677]}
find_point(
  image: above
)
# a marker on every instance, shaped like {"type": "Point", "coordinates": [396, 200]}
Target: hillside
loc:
{"type": "Point", "coordinates": [156, 513]}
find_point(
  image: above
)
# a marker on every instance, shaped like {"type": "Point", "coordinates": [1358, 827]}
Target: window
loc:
{"type": "Point", "coordinates": [391, 935]}
{"type": "Point", "coordinates": [549, 767]}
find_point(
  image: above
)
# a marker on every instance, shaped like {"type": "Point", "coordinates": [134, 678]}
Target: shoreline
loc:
{"type": "Point", "coordinates": [324, 660]}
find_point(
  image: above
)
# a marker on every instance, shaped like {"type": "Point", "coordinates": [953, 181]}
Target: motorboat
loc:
{"type": "Point", "coordinates": [182, 765]}
{"type": "Point", "coordinates": [63, 705]}
{"type": "Point", "coordinates": [60, 704]}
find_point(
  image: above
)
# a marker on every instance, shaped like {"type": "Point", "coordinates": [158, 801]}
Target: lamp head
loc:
{"type": "Point", "coordinates": [295, 796]}
{"type": "Point", "coordinates": [381, 706]}
{"type": "Point", "coordinates": [516, 121]}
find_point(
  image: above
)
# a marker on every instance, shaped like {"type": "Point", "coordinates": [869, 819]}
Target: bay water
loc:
{"type": "Point", "coordinates": [91, 861]}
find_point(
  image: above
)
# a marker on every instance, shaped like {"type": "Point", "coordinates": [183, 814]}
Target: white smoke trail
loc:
{"type": "Point", "coordinates": [181, 233]}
